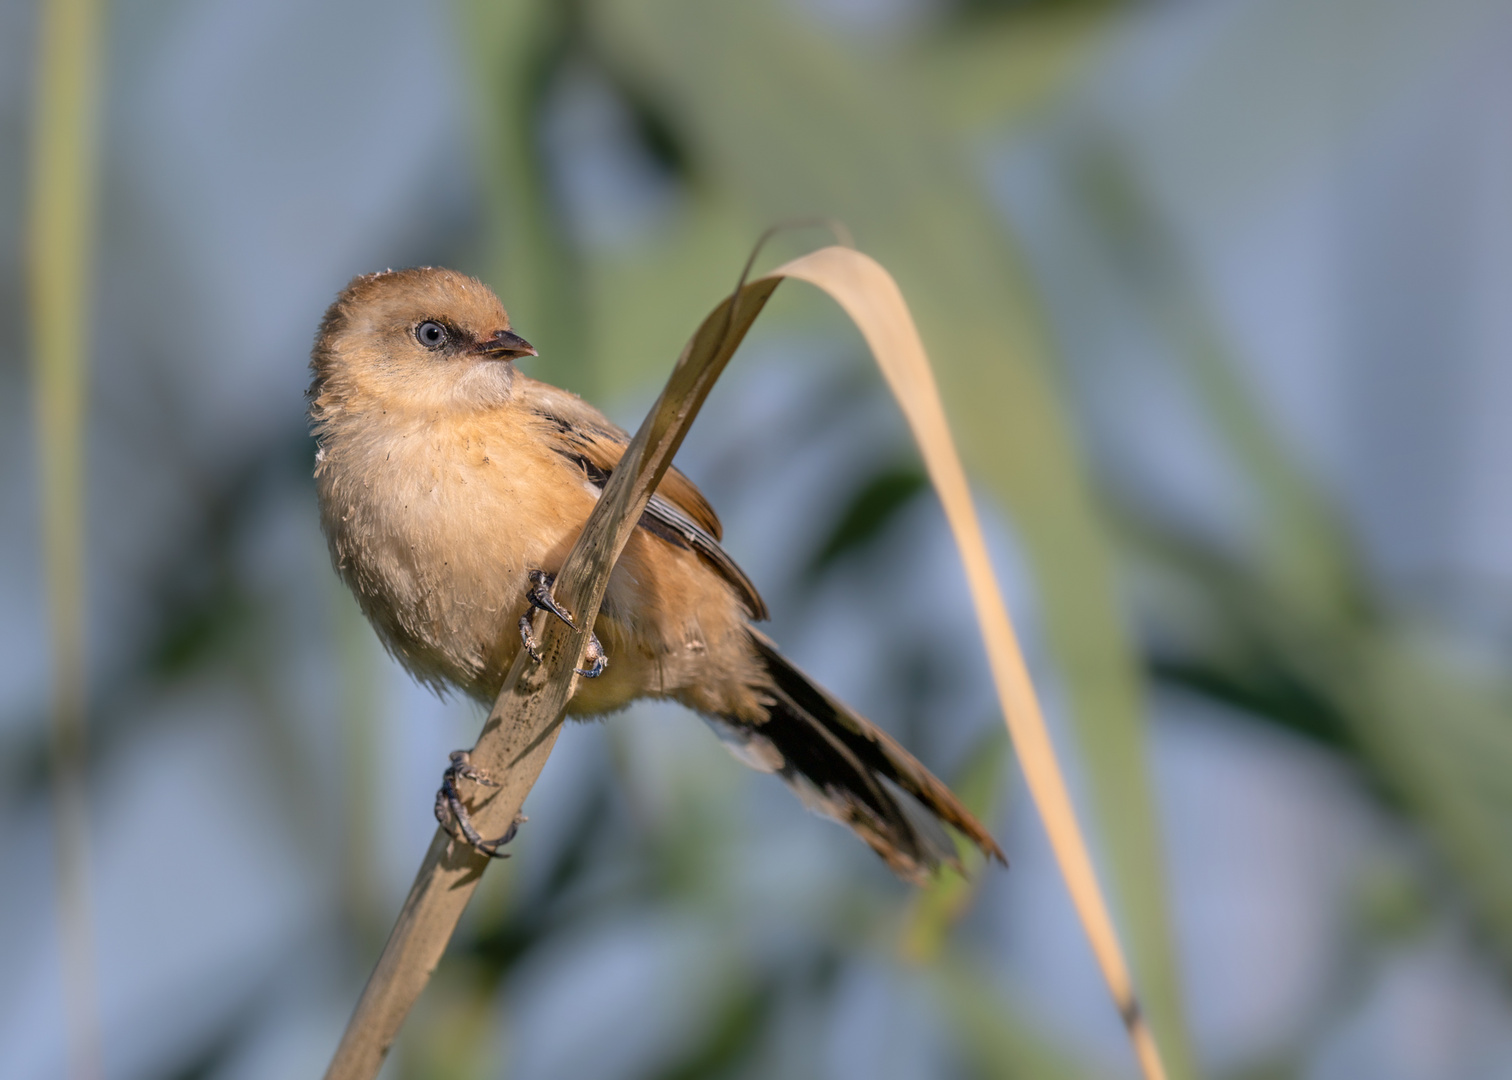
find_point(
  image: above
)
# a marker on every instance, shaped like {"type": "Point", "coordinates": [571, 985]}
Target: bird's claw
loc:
{"type": "Point", "coordinates": [539, 595]}
{"type": "Point", "coordinates": [453, 815]}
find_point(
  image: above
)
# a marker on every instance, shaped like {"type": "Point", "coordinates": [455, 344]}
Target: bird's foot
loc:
{"type": "Point", "coordinates": [539, 595]}
{"type": "Point", "coordinates": [453, 815]}
{"type": "Point", "coordinates": [595, 657]}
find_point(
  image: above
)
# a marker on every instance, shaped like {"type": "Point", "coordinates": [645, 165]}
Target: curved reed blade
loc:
{"type": "Point", "coordinates": [872, 299]}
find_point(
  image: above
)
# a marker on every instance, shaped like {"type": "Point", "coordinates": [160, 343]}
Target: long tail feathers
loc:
{"type": "Point", "coordinates": [844, 767]}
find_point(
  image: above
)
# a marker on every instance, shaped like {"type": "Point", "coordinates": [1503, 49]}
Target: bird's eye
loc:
{"type": "Point", "coordinates": [431, 334]}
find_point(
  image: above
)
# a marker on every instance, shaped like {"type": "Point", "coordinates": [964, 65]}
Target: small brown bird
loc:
{"type": "Point", "coordinates": [451, 489]}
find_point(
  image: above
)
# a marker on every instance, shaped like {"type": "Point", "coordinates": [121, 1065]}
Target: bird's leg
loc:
{"type": "Point", "coordinates": [453, 815]}
{"type": "Point", "coordinates": [539, 595]}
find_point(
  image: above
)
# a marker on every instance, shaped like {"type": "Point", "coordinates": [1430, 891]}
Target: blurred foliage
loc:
{"type": "Point", "coordinates": [205, 613]}
{"type": "Point", "coordinates": [872, 506]}
{"type": "Point", "coordinates": [751, 113]}
{"type": "Point", "coordinates": [995, 1043]}
{"type": "Point", "coordinates": [1292, 632]}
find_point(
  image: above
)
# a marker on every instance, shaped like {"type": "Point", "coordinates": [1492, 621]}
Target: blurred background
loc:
{"type": "Point", "coordinates": [1219, 298]}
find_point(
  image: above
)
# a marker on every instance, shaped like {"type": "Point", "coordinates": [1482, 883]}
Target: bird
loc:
{"type": "Point", "coordinates": [451, 487]}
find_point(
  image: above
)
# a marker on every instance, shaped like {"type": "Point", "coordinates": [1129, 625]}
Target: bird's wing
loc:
{"type": "Point", "coordinates": [666, 520]}
{"type": "Point", "coordinates": [678, 513]}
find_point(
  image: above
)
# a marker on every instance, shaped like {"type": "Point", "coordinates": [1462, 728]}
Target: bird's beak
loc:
{"type": "Point", "coordinates": [504, 345]}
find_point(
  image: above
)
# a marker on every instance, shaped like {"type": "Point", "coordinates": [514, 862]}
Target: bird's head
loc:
{"type": "Point", "coordinates": [425, 339]}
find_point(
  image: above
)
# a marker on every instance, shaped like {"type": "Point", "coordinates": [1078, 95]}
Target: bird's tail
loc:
{"type": "Point", "coordinates": [844, 767]}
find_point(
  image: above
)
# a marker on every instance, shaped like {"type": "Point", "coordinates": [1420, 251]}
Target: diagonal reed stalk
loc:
{"type": "Point", "coordinates": [61, 217]}
{"type": "Point", "coordinates": [526, 718]}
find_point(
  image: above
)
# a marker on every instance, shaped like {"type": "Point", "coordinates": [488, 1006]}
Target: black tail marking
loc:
{"type": "Point", "coordinates": [845, 767]}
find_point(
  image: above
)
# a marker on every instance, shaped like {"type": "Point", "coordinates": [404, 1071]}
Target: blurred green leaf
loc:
{"type": "Point", "coordinates": [1434, 742]}
{"type": "Point", "coordinates": [1304, 550]}
{"type": "Point", "coordinates": [731, 1039]}
{"type": "Point", "coordinates": [1297, 636]}
{"type": "Point", "coordinates": [995, 1043]}
{"type": "Point", "coordinates": [997, 62]}
{"type": "Point", "coordinates": [1446, 741]}
{"type": "Point", "coordinates": [872, 507]}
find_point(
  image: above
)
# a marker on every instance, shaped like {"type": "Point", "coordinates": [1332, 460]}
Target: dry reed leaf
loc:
{"type": "Point", "coordinates": [872, 299]}
{"type": "Point", "coordinates": [526, 718]}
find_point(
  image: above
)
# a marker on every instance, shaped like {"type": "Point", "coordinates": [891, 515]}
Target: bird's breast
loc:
{"type": "Point", "coordinates": [434, 523]}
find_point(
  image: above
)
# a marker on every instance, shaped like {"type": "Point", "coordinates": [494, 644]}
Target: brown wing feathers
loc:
{"type": "Point", "coordinates": [666, 519]}
{"type": "Point", "coordinates": [678, 513]}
